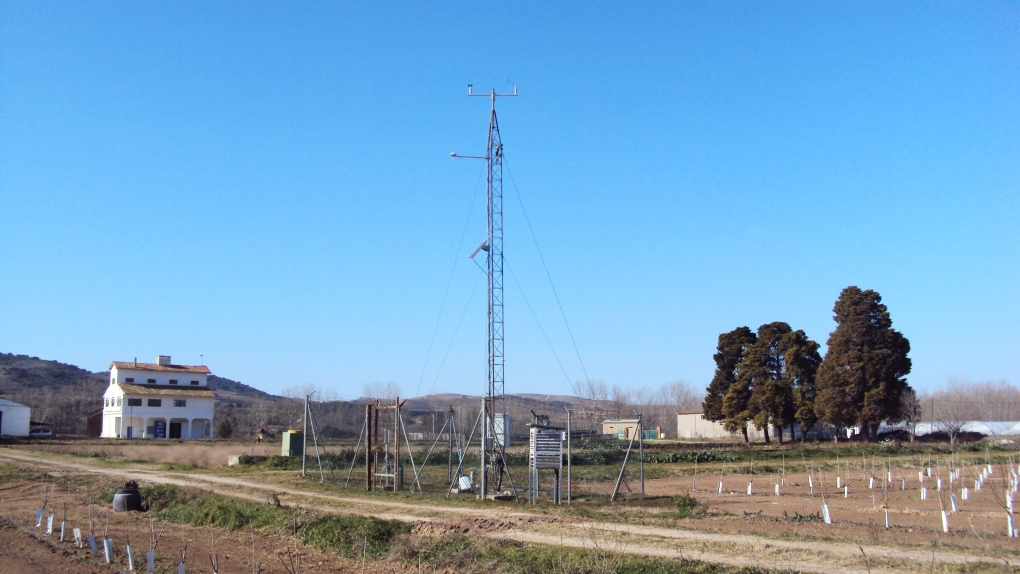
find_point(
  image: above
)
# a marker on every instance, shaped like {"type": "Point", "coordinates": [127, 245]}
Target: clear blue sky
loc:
{"type": "Point", "coordinates": [269, 184]}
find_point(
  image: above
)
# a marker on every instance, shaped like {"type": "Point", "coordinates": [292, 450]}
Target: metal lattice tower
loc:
{"type": "Point", "coordinates": [492, 439]}
{"type": "Point", "coordinates": [494, 238]}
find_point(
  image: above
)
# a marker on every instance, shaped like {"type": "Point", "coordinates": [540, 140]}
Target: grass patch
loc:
{"type": "Point", "coordinates": [347, 535]}
{"type": "Point", "coordinates": [160, 496]}
{"type": "Point", "coordinates": [466, 553]}
{"type": "Point", "coordinates": [10, 472]}
{"type": "Point", "coordinates": [179, 466]}
{"type": "Point", "coordinates": [688, 507]}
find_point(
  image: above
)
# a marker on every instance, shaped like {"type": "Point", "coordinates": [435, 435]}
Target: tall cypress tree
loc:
{"type": "Point", "coordinates": [863, 376]}
{"type": "Point", "coordinates": [779, 370]}
{"type": "Point", "coordinates": [802, 361]}
{"type": "Point", "coordinates": [729, 353]}
{"type": "Point", "coordinates": [761, 372]}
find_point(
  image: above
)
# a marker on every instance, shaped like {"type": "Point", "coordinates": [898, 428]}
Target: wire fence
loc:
{"type": "Point", "coordinates": [433, 448]}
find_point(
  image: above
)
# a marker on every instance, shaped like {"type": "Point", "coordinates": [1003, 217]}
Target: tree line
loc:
{"type": "Point", "coordinates": [775, 377]}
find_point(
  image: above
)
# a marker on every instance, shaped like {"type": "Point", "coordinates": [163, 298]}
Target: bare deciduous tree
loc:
{"type": "Point", "coordinates": [591, 390]}
{"type": "Point", "coordinates": [911, 411]}
{"type": "Point", "coordinates": [658, 406]}
{"type": "Point", "coordinates": [381, 390]}
{"type": "Point", "coordinates": [950, 408]}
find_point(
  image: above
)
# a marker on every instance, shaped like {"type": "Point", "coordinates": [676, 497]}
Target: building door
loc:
{"type": "Point", "coordinates": [159, 429]}
{"type": "Point", "coordinates": [175, 430]}
{"type": "Point", "coordinates": [129, 432]}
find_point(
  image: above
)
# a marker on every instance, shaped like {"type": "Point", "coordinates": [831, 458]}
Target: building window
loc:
{"type": "Point", "coordinates": [106, 402]}
{"type": "Point", "coordinates": [155, 402]}
{"type": "Point", "coordinates": [134, 402]}
{"type": "Point", "coordinates": [152, 381]}
{"type": "Point", "coordinates": [173, 381]}
{"type": "Point", "coordinates": [194, 382]}
{"type": "Point", "coordinates": [129, 380]}
{"type": "Point", "coordinates": [180, 403]}
{"type": "Point", "coordinates": [119, 403]}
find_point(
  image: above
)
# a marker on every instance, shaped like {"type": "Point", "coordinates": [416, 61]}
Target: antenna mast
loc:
{"type": "Point", "coordinates": [495, 433]}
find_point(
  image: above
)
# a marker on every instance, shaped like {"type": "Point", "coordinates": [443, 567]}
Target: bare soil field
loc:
{"type": "Point", "coordinates": [978, 522]}
{"type": "Point", "coordinates": [21, 552]}
{"type": "Point", "coordinates": [198, 453]}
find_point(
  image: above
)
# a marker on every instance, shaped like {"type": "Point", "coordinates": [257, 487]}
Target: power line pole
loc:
{"type": "Point", "coordinates": [492, 443]}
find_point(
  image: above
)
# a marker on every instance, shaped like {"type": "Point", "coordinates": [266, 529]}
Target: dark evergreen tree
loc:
{"type": "Point", "coordinates": [802, 362]}
{"type": "Point", "coordinates": [863, 376]}
{"type": "Point", "coordinates": [729, 353]}
{"type": "Point", "coordinates": [737, 406]}
{"type": "Point", "coordinates": [224, 428]}
{"type": "Point", "coordinates": [761, 372]}
{"type": "Point", "coordinates": [777, 377]}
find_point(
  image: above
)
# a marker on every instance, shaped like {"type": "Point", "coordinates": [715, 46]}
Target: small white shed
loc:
{"type": "Point", "coordinates": [14, 418]}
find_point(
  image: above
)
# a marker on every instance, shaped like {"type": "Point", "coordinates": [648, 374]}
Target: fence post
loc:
{"type": "Point", "coordinates": [304, 437]}
{"type": "Point", "coordinates": [641, 452]}
{"type": "Point", "coordinates": [484, 490]}
{"type": "Point", "coordinates": [568, 457]}
{"type": "Point", "coordinates": [368, 446]}
{"type": "Point", "coordinates": [453, 427]}
{"type": "Point", "coordinates": [396, 443]}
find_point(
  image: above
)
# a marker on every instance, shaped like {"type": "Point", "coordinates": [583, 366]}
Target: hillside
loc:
{"type": "Point", "coordinates": [62, 395]}
{"type": "Point", "coordinates": [20, 374]}
{"type": "Point", "coordinates": [224, 387]}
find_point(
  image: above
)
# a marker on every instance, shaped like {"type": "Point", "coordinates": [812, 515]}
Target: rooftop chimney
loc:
{"type": "Point", "coordinates": [163, 360]}
{"type": "Point", "coordinates": [136, 361]}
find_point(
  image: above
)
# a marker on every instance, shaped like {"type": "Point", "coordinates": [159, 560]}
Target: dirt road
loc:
{"type": "Point", "coordinates": [517, 523]}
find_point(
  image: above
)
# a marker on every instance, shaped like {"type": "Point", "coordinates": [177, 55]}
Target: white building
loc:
{"type": "Point", "coordinates": [159, 400]}
{"type": "Point", "coordinates": [694, 425]}
{"type": "Point", "coordinates": [14, 419]}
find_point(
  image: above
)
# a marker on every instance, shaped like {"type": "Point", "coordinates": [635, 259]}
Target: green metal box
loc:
{"type": "Point", "coordinates": [293, 443]}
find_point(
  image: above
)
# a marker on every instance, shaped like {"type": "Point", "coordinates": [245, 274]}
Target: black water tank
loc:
{"type": "Point", "coordinates": [127, 498]}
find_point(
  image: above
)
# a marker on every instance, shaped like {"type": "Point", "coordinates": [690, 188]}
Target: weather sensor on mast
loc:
{"type": "Point", "coordinates": [495, 434]}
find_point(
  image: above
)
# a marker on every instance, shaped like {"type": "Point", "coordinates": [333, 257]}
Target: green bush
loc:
{"type": "Point", "coordinates": [688, 507]}
{"type": "Point", "coordinates": [798, 517]}
{"type": "Point", "coordinates": [689, 456]}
